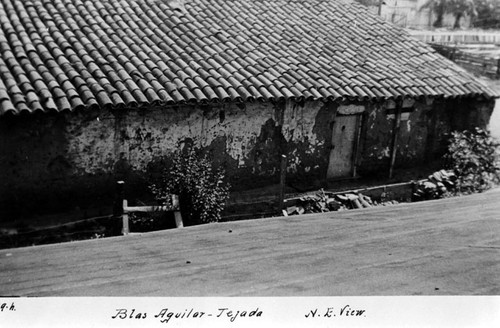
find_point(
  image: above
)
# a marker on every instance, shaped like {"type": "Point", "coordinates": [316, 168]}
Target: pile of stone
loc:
{"type": "Point", "coordinates": [438, 185]}
{"type": "Point", "coordinates": [326, 202]}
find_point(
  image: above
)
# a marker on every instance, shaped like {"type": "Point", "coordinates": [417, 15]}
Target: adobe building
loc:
{"type": "Point", "coordinates": [97, 91]}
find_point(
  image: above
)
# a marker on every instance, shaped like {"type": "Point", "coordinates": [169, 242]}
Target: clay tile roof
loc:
{"type": "Point", "coordinates": [71, 54]}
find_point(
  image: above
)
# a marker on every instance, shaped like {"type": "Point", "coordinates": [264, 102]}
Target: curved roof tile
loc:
{"type": "Point", "coordinates": [71, 54]}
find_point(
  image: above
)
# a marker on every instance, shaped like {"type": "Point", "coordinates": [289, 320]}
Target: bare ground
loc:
{"type": "Point", "coordinates": [442, 247]}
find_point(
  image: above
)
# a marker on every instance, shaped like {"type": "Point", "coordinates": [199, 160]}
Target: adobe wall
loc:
{"type": "Point", "coordinates": [423, 133]}
{"type": "Point", "coordinates": [70, 161]}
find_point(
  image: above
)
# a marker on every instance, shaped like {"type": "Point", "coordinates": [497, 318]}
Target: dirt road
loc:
{"type": "Point", "coordinates": [444, 247]}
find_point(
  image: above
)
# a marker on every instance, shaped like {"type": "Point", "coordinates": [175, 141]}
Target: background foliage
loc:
{"type": "Point", "coordinates": [488, 14]}
{"type": "Point", "coordinates": [485, 14]}
{"type": "Point", "coordinates": [474, 157]}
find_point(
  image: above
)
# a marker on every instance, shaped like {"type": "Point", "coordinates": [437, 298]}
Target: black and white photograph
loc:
{"type": "Point", "coordinates": [241, 163]}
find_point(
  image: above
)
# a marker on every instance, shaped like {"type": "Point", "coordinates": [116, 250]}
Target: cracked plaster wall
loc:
{"type": "Point", "coordinates": [73, 159]}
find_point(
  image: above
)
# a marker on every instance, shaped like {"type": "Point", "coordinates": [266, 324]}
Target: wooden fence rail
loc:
{"type": "Point", "coordinates": [123, 209]}
{"type": "Point", "coordinates": [451, 37]}
{"type": "Point", "coordinates": [479, 63]}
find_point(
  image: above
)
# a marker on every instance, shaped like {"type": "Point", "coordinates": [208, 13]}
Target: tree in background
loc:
{"type": "Point", "coordinates": [484, 13]}
{"type": "Point", "coordinates": [458, 8]}
{"type": "Point", "coordinates": [488, 14]}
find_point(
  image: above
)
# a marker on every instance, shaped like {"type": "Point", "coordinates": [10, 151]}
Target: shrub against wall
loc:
{"type": "Point", "coordinates": [474, 157]}
{"type": "Point", "coordinates": [201, 188]}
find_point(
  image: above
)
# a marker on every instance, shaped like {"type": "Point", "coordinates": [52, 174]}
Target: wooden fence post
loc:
{"type": "Point", "coordinates": [395, 134]}
{"type": "Point", "coordinates": [118, 204]}
{"type": "Point", "coordinates": [125, 226]}
{"type": "Point", "coordinates": [119, 195]}
{"type": "Point", "coordinates": [282, 182]}
{"type": "Point", "coordinates": [177, 212]}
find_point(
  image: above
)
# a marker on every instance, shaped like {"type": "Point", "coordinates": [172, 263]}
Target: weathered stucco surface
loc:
{"type": "Point", "coordinates": [53, 162]}
{"type": "Point", "coordinates": [305, 136]}
{"type": "Point", "coordinates": [377, 140]}
{"type": "Point", "coordinates": [139, 137]}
